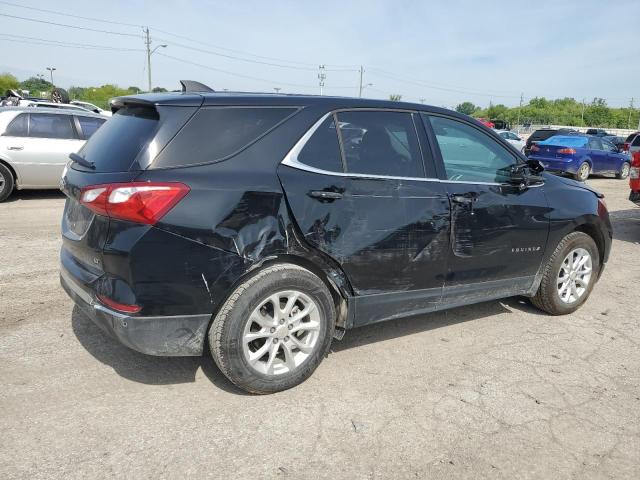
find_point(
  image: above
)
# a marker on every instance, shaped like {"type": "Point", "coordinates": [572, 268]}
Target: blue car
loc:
{"type": "Point", "coordinates": [581, 155]}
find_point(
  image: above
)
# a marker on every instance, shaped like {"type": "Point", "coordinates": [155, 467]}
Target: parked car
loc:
{"type": "Point", "coordinates": [35, 145]}
{"type": "Point", "coordinates": [580, 155]}
{"type": "Point", "coordinates": [634, 145]}
{"type": "Point", "coordinates": [513, 139]}
{"type": "Point", "coordinates": [91, 107]}
{"type": "Point", "coordinates": [634, 178]}
{"type": "Point", "coordinates": [628, 140]}
{"type": "Point", "coordinates": [617, 141]}
{"type": "Point", "coordinates": [598, 132]}
{"type": "Point", "coordinates": [64, 106]}
{"type": "Point", "coordinates": [486, 122]}
{"type": "Point", "coordinates": [544, 133]}
{"type": "Point", "coordinates": [242, 219]}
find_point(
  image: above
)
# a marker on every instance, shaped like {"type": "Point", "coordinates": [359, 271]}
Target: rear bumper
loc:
{"type": "Point", "coordinates": [162, 335]}
{"type": "Point", "coordinates": [555, 164]}
{"type": "Point", "coordinates": [634, 196]}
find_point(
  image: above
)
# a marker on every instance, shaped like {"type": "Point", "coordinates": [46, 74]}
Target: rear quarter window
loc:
{"type": "Point", "coordinates": [217, 133]}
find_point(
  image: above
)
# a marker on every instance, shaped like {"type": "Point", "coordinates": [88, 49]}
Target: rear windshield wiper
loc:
{"type": "Point", "coordinates": [81, 161]}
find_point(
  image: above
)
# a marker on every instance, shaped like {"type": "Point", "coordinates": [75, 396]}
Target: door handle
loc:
{"type": "Point", "coordinates": [325, 194]}
{"type": "Point", "coordinates": [17, 147]}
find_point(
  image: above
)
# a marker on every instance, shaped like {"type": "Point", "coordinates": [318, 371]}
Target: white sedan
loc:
{"type": "Point", "coordinates": [512, 138]}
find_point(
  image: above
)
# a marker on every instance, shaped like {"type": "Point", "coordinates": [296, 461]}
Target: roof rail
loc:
{"type": "Point", "coordinates": [193, 86]}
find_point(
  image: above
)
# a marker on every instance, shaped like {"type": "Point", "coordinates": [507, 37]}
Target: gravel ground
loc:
{"type": "Point", "coordinates": [495, 390]}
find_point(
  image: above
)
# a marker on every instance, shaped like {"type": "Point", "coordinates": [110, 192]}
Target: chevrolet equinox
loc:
{"type": "Point", "coordinates": [266, 225]}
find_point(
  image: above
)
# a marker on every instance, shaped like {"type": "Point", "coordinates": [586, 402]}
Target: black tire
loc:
{"type": "Point", "coordinates": [7, 182]}
{"type": "Point", "coordinates": [583, 172]}
{"type": "Point", "coordinates": [226, 332]}
{"type": "Point", "coordinates": [60, 95]}
{"type": "Point", "coordinates": [547, 297]}
{"type": "Point", "coordinates": [624, 171]}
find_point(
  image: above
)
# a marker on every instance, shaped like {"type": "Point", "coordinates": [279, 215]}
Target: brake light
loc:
{"type": "Point", "coordinates": [121, 307]}
{"type": "Point", "coordinates": [567, 151]}
{"type": "Point", "coordinates": [535, 148]}
{"type": "Point", "coordinates": [635, 159]}
{"type": "Point", "coordinates": [140, 202]}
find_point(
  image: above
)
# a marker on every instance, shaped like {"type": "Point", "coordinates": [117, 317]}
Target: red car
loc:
{"type": "Point", "coordinates": [627, 142]}
{"type": "Point", "coordinates": [634, 178]}
{"type": "Point", "coordinates": [486, 122]}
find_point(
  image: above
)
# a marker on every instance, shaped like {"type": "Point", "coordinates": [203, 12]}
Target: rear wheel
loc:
{"type": "Point", "coordinates": [583, 172]}
{"type": "Point", "coordinates": [6, 182]}
{"type": "Point", "coordinates": [624, 171]}
{"type": "Point", "coordinates": [274, 330]}
{"type": "Point", "coordinates": [569, 275]}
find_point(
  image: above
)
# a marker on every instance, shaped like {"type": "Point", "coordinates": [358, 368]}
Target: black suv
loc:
{"type": "Point", "coordinates": [271, 224]}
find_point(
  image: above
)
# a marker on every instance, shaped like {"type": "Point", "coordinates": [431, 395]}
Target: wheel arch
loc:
{"type": "Point", "coordinates": [12, 170]}
{"type": "Point", "coordinates": [597, 236]}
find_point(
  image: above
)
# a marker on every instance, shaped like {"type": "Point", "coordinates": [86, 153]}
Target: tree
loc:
{"type": "Point", "coordinates": [467, 108]}
{"type": "Point", "coordinates": [8, 82]}
{"type": "Point", "coordinates": [36, 85]}
{"type": "Point", "coordinates": [159, 90]}
{"type": "Point", "coordinates": [395, 97]}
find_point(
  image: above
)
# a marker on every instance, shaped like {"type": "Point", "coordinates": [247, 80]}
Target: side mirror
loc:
{"type": "Point", "coordinates": [535, 166]}
{"type": "Point", "coordinates": [525, 174]}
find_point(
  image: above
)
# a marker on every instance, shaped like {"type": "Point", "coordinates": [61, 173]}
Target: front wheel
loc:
{"type": "Point", "coordinates": [6, 183]}
{"type": "Point", "coordinates": [624, 171]}
{"type": "Point", "coordinates": [583, 172]}
{"type": "Point", "coordinates": [274, 330]}
{"type": "Point", "coordinates": [569, 275]}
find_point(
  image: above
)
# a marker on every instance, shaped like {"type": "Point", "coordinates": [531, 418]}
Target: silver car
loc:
{"type": "Point", "coordinates": [35, 145]}
{"type": "Point", "coordinates": [512, 138]}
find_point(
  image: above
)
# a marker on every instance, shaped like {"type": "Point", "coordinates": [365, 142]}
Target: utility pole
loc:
{"type": "Point", "coordinates": [321, 77]}
{"type": "Point", "coordinates": [583, 112]}
{"type": "Point", "coordinates": [361, 73]}
{"type": "Point", "coordinates": [422, 100]}
{"type": "Point", "coordinates": [147, 43]}
{"type": "Point", "coordinates": [277, 89]}
{"type": "Point", "coordinates": [520, 108]}
{"type": "Point", "coordinates": [630, 111]}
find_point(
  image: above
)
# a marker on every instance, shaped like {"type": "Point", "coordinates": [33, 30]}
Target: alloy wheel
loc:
{"type": "Point", "coordinates": [281, 333]}
{"type": "Point", "coordinates": [574, 275]}
{"type": "Point", "coordinates": [624, 172]}
{"type": "Point", "coordinates": [583, 173]}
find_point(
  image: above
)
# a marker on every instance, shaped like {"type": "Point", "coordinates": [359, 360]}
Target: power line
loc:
{"type": "Point", "coordinates": [70, 26]}
{"type": "Point", "coordinates": [45, 41]}
{"type": "Point", "coordinates": [93, 19]}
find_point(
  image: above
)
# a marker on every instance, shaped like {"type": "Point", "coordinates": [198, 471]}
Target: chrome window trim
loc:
{"type": "Point", "coordinates": [291, 158]}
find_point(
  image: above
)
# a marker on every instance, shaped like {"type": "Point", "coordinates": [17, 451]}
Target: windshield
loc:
{"type": "Point", "coordinates": [562, 141]}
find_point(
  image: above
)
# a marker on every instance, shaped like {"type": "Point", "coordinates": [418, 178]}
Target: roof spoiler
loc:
{"type": "Point", "coordinates": [193, 86]}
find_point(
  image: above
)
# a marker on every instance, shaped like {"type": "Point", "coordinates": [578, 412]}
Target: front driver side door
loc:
{"type": "Point", "coordinates": [498, 230]}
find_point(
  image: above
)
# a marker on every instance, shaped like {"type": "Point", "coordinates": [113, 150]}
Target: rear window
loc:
{"type": "Point", "coordinates": [115, 145]}
{"type": "Point", "coordinates": [630, 137]}
{"type": "Point", "coordinates": [216, 133]}
{"type": "Point", "coordinates": [542, 134]}
{"type": "Point", "coordinates": [561, 141]}
{"type": "Point", "coordinates": [636, 142]}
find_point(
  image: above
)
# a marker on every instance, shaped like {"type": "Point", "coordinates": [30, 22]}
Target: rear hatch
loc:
{"type": "Point", "coordinates": [117, 153]}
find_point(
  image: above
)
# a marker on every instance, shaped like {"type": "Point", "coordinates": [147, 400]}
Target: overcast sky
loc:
{"type": "Point", "coordinates": [444, 52]}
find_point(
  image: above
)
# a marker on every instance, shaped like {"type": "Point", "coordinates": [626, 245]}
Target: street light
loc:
{"type": "Point", "coordinates": [149, 53]}
{"type": "Point", "coordinates": [365, 86]}
{"type": "Point", "coordinates": [51, 70]}
{"type": "Point", "coordinates": [277, 89]}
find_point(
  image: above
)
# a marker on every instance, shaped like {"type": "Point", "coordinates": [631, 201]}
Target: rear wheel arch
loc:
{"type": "Point", "coordinates": [11, 169]}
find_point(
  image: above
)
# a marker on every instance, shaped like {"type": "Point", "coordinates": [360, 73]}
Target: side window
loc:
{"type": "Point", "coordinates": [513, 136]}
{"type": "Point", "coordinates": [17, 127]}
{"type": "Point", "coordinates": [322, 150]}
{"type": "Point", "coordinates": [50, 125]}
{"type": "Point", "coordinates": [608, 147]}
{"type": "Point", "coordinates": [595, 143]}
{"type": "Point", "coordinates": [469, 155]}
{"type": "Point", "coordinates": [227, 131]}
{"type": "Point", "coordinates": [89, 125]}
{"type": "Point", "coordinates": [636, 141]}
{"type": "Point", "coordinates": [504, 135]}
{"type": "Point", "coordinates": [380, 143]}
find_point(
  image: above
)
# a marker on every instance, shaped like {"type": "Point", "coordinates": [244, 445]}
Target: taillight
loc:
{"type": "Point", "coordinates": [140, 202]}
{"type": "Point", "coordinates": [635, 159]}
{"type": "Point", "coordinates": [567, 151]}
{"type": "Point", "coordinates": [535, 148]}
{"type": "Point", "coordinates": [121, 307]}
{"type": "Point", "coordinates": [625, 147]}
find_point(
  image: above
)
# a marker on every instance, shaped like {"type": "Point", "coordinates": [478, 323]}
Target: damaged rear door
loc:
{"type": "Point", "coordinates": [498, 230]}
{"type": "Point", "coordinates": [361, 194]}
